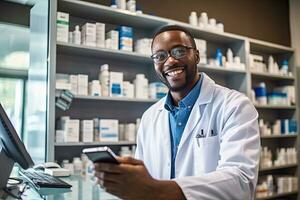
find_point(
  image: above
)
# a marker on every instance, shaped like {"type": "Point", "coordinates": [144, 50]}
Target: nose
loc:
{"type": "Point", "coordinates": [170, 61]}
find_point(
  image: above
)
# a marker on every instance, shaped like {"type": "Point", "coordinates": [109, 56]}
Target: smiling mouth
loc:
{"type": "Point", "coordinates": [174, 72]}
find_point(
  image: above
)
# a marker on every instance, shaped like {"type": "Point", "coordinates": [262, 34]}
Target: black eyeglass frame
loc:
{"type": "Point", "coordinates": [170, 54]}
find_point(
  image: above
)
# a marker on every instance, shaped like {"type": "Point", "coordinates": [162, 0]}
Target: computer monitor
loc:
{"type": "Point", "coordinates": [12, 149]}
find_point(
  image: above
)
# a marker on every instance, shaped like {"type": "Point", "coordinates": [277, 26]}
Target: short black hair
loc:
{"type": "Point", "coordinates": [173, 28]}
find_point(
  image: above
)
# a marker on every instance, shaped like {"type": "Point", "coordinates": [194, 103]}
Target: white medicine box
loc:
{"type": "Point", "coordinates": [71, 130]}
{"type": "Point", "coordinates": [108, 130]}
{"type": "Point", "coordinates": [87, 130]}
{"type": "Point", "coordinates": [62, 24]}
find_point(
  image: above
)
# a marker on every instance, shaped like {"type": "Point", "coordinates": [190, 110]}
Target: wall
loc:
{"type": "Point", "coordinates": [295, 29]}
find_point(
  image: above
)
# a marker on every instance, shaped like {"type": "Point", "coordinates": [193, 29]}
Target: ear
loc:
{"type": "Point", "coordinates": [197, 57]}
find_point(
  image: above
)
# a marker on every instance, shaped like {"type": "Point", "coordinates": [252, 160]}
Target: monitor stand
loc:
{"type": "Point", "coordinates": [6, 168]}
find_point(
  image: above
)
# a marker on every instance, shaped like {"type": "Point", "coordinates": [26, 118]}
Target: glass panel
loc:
{"type": "Point", "coordinates": [14, 48]}
{"type": "Point", "coordinates": [36, 110]}
{"type": "Point", "coordinates": [11, 98]}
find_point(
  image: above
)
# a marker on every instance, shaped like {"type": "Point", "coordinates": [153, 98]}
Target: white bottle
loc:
{"type": "Point", "coordinates": [131, 5]}
{"type": "Point", "coordinates": [104, 80]}
{"type": "Point", "coordinates": [125, 151]}
{"type": "Point", "coordinates": [77, 166]}
{"type": "Point", "coordinates": [229, 55]}
{"type": "Point", "coordinates": [77, 35]}
{"type": "Point", "coordinates": [121, 4]}
{"type": "Point", "coordinates": [270, 184]}
{"type": "Point", "coordinates": [271, 64]}
{"type": "Point", "coordinates": [70, 37]}
{"type": "Point", "coordinates": [141, 87]}
{"type": "Point", "coordinates": [193, 19]}
{"type": "Point", "coordinates": [203, 19]}
{"type": "Point", "coordinates": [220, 27]}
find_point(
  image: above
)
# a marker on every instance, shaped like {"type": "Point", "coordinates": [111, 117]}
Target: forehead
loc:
{"type": "Point", "coordinates": [168, 39]}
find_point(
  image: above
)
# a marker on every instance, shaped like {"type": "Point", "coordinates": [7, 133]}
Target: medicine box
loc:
{"type": "Point", "coordinates": [113, 37]}
{"type": "Point", "coordinates": [116, 84]}
{"type": "Point", "coordinates": [87, 130]}
{"type": "Point", "coordinates": [125, 38]}
{"type": "Point", "coordinates": [62, 24]}
{"type": "Point", "coordinates": [108, 130]}
{"type": "Point", "coordinates": [71, 130]}
{"type": "Point", "coordinates": [82, 85]}
{"type": "Point", "coordinates": [88, 34]}
{"type": "Point", "coordinates": [73, 79]}
{"type": "Point", "coordinates": [100, 35]}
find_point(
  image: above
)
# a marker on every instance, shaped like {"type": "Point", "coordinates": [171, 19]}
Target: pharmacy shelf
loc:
{"type": "Point", "coordinates": [102, 13]}
{"type": "Point", "coordinates": [275, 107]}
{"type": "Point", "coordinates": [220, 70]}
{"type": "Point", "coordinates": [275, 196]}
{"type": "Point", "coordinates": [279, 136]}
{"type": "Point", "coordinates": [81, 50]}
{"type": "Point", "coordinates": [146, 24]}
{"type": "Point", "coordinates": [116, 16]}
{"type": "Point", "coordinates": [269, 76]}
{"type": "Point", "coordinates": [278, 167]}
{"type": "Point", "coordinates": [115, 99]}
{"type": "Point", "coordinates": [66, 144]}
{"type": "Point", "coordinates": [268, 47]}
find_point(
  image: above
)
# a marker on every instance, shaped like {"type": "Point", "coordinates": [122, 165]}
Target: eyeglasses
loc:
{"type": "Point", "coordinates": [177, 52]}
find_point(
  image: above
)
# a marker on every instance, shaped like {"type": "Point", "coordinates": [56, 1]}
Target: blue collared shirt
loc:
{"type": "Point", "coordinates": [178, 117]}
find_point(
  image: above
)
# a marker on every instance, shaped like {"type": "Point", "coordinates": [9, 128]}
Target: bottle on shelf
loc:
{"type": "Point", "coordinates": [77, 36]}
{"type": "Point", "coordinates": [104, 80]}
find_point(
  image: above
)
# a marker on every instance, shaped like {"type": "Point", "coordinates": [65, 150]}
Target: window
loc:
{"type": "Point", "coordinates": [11, 98]}
{"type": "Point", "coordinates": [14, 48]}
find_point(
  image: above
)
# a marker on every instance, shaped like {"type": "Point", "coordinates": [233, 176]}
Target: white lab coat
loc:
{"type": "Point", "coordinates": [224, 166]}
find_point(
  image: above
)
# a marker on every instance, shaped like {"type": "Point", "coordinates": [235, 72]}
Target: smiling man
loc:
{"type": "Point", "coordinates": [201, 141]}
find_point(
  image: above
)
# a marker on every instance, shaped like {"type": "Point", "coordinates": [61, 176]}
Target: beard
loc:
{"type": "Point", "coordinates": [189, 77]}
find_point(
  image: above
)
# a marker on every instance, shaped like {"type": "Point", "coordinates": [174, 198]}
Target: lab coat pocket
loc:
{"type": "Point", "coordinates": [206, 154]}
{"type": "Point", "coordinates": [208, 141]}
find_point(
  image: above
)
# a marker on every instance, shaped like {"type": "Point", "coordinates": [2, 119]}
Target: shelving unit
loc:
{"type": "Point", "coordinates": [87, 51]}
{"type": "Point", "coordinates": [276, 196]}
{"type": "Point", "coordinates": [94, 143]}
{"type": "Point", "coordinates": [267, 76]}
{"type": "Point", "coordinates": [74, 59]}
{"type": "Point", "coordinates": [279, 136]}
{"type": "Point", "coordinates": [277, 167]}
{"type": "Point", "coordinates": [271, 112]}
{"type": "Point", "coordinates": [135, 100]}
{"type": "Point", "coordinates": [275, 107]}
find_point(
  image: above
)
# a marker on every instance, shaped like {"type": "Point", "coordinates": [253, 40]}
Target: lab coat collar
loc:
{"type": "Point", "coordinates": [205, 96]}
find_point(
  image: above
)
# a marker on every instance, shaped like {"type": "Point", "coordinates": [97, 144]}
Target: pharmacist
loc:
{"type": "Point", "coordinates": [199, 142]}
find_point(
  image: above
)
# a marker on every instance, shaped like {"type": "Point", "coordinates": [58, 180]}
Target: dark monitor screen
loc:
{"type": "Point", "coordinates": [11, 143]}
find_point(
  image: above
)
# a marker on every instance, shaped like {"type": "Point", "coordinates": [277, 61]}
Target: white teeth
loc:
{"type": "Point", "coordinates": [173, 73]}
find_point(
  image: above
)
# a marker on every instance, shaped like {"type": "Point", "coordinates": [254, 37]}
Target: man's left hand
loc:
{"type": "Point", "coordinates": [127, 180]}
